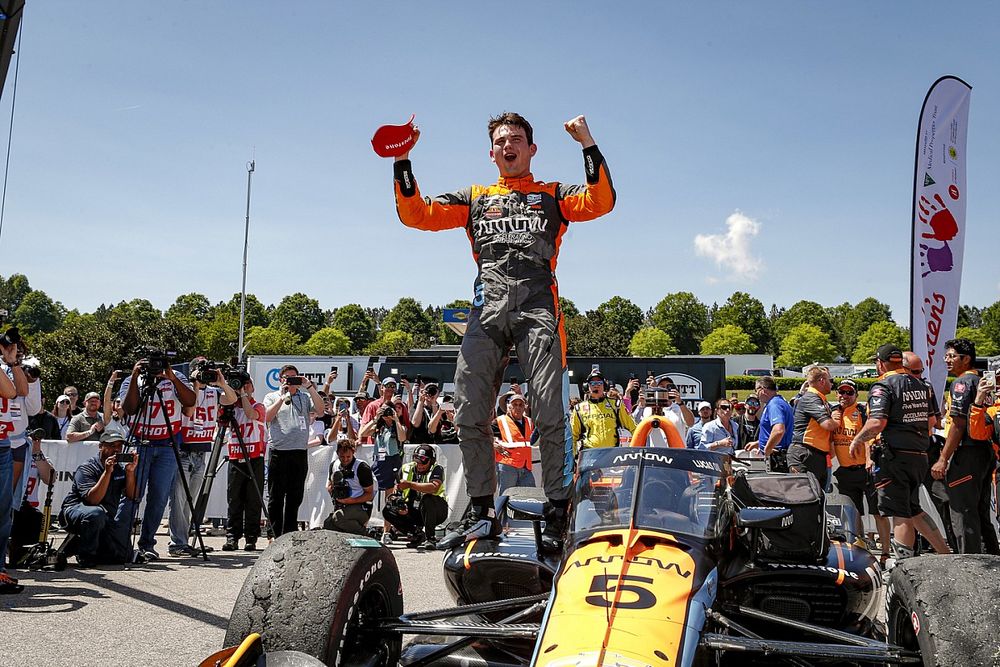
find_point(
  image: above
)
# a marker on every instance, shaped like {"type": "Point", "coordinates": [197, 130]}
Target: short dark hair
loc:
{"type": "Point", "coordinates": [962, 346]}
{"type": "Point", "coordinates": [767, 382]}
{"type": "Point", "coordinates": [288, 367]}
{"type": "Point", "coordinates": [514, 120]}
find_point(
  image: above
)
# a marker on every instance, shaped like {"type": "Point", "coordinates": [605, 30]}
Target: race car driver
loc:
{"type": "Point", "coordinates": [595, 421]}
{"type": "Point", "coordinates": [515, 227]}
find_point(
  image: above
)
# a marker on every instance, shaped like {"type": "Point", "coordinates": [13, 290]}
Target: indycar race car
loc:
{"type": "Point", "coordinates": [672, 558]}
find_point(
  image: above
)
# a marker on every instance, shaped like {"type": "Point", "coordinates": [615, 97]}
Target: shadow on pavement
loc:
{"type": "Point", "coordinates": [41, 599]}
{"type": "Point", "coordinates": [96, 579]}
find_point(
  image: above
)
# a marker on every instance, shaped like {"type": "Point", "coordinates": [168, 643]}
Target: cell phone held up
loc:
{"type": "Point", "coordinates": [125, 457]}
{"type": "Point", "coordinates": [294, 381]}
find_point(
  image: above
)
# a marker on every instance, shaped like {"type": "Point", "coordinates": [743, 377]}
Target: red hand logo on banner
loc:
{"type": "Point", "coordinates": [938, 218]}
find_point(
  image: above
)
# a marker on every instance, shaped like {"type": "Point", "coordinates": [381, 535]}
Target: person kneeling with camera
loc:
{"type": "Point", "coordinates": [352, 487]}
{"type": "Point", "coordinates": [91, 509]}
{"type": "Point", "coordinates": [420, 505]}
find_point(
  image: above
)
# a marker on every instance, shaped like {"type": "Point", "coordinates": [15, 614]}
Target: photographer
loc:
{"type": "Point", "coordinates": [388, 434]}
{"type": "Point", "coordinates": [198, 425]}
{"type": "Point", "coordinates": [8, 392]}
{"type": "Point", "coordinates": [676, 412]}
{"type": "Point", "coordinates": [92, 507]}
{"type": "Point", "coordinates": [352, 487]}
{"type": "Point", "coordinates": [427, 415]}
{"type": "Point", "coordinates": [244, 501]}
{"type": "Point", "coordinates": [420, 506]}
{"type": "Point", "coordinates": [373, 408]}
{"type": "Point", "coordinates": [159, 467]}
{"type": "Point", "coordinates": [27, 519]}
{"type": "Point", "coordinates": [287, 418]}
{"type": "Point", "coordinates": [342, 426]}
{"type": "Point", "coordinates": [114, 414]}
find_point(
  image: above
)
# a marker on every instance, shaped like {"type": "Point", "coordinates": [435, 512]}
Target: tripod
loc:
{"type": "Point", "coordinates": [144, 417]}
{"type": "Point", "coordinates": [227, 420]}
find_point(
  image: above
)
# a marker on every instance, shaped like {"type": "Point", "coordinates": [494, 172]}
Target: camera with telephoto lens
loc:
{"type": "Point", "coordinates": [10, 337]}
{"type": "Point", "coordinates": [396, 502]}
{"type": "Point", "coordinates": [341, 489]}
{"type": "Point", "coordinates": [155, 360]}
{"type": "Point", "coordinates": [205, 371]}
{"type": "Point", "coordinates": [236, 376]}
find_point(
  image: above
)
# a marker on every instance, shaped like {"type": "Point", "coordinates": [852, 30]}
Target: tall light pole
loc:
{"type": "Point", "coordinates": [246, 242]}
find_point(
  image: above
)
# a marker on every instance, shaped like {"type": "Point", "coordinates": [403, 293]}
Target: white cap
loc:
{"type": "Point", "coordinates": [704, 404]}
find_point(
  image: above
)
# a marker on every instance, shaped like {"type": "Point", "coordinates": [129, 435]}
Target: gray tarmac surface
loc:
{"type": "Point", "coordinates": [171, 612]}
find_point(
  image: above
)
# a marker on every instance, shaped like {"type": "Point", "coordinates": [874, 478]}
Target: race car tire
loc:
{"type": "Point", "coordinates": [312, 591]}
{"type": "Point", "coordinates": [946, 608]}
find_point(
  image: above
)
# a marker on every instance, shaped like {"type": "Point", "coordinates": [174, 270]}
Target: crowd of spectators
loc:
{"type": "Point", "coordinates": [878, 454]}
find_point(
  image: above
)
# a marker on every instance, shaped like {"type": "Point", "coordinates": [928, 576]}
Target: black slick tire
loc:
{"type": "Point", "coordinates": [313, 591]}
{"type": "Point", "coordinates": [946, 608]}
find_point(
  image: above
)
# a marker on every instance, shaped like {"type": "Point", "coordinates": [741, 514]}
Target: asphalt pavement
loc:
{"type": "Point", "coordinates": [170, 612]}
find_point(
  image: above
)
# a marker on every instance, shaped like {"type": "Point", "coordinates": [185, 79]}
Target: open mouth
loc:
{"type": "Point", "coordinates": [509, 157]}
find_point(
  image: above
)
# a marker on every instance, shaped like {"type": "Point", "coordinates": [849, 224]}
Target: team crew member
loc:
{"type": "Point", "coordinates": [515, 227]}
{"type": "Point", "coordinates": [776, 422]}
{"type": "Point", "coordinates": [157, 465]}
{"type": "Point", "coordinates": [749, 421]}
{"type": "Point", "coordinates": [352, 487]}
{"type": "Point", "coordinates": [596, 420]}
{"type": "Point", "coordinates": [197, 433]}
{"type": "Point", "coordinates": [513, 445]}
{"type": "Point", "coordinates": [899, 410]}
{"type": "Point", "coordinates": [936, 488]}
{"type": "Point", "coordinates": [853, 474]}
{"type": "Point", "coordinates": [967, 464]}
{"type": "Point", "coordinates": [425, 507]}
{"type": "Point", "coordinates": [287, 417]}
{"type": "Point", "coordinates": [813, 424]}
{"type": "Point", "coordinates": [243, 498]}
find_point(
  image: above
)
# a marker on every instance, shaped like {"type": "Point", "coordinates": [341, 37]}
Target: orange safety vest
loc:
{"type": "Point", "coordinates": [518, 457]}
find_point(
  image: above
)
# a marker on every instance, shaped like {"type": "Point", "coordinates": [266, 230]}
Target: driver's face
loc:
{"type": "Point", "coordinates": [346, 455]}
{"type": "Point", "coordinates": [511, 151]}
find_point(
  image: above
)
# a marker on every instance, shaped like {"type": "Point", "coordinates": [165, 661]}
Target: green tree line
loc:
{"type": "Point", "coordinates": [83, 348]}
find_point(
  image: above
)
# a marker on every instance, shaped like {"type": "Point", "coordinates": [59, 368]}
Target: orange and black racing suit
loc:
{"type": "Point", "coordinates": [515, 227]}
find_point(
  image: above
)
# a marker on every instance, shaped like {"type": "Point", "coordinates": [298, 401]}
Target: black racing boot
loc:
{"type": "Point", "coordinates": [555, 528]}
{"type": "Point", "coordinates": [478, 523]}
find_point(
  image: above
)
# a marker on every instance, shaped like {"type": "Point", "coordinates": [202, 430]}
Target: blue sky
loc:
{"type": "Point", "coordinates": [134, 123]}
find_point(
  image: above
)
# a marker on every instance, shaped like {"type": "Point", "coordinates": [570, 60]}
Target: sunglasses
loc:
{"type": "Point", "coordinates": [421, 459]}
{"type": "Point", "coordinates": [596, 383]}
{"type": "Point", "coordinates": [846, 392]}
{"type": "Point", "coordinates": [725, 407]}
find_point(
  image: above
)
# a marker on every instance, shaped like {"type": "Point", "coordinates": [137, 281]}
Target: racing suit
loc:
{"type": "Point", "coordinates": [515, 227]}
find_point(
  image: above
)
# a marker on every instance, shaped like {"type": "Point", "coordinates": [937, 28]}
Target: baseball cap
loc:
{"type": "Point", "coordinates": [389, 380]}
{"type": "Point", "coordinates": [704, 404]}
{"type": "Point", "coordinates": [847, 383]}
{"type": "Point", "coordinates": [90, 395]}
{"type": "Point", "coordinates": [516, 397]}
{"type": "Point", "coordinates": [661, 378]}
{"type": "Point", "coordinates": [888, 352]}
{"type": "Point", "coordinates": [63, 397]}
{"type": "Point", "coordinates": [111, 435]}
{"type": "Point", "coordinates": [362, 395]}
